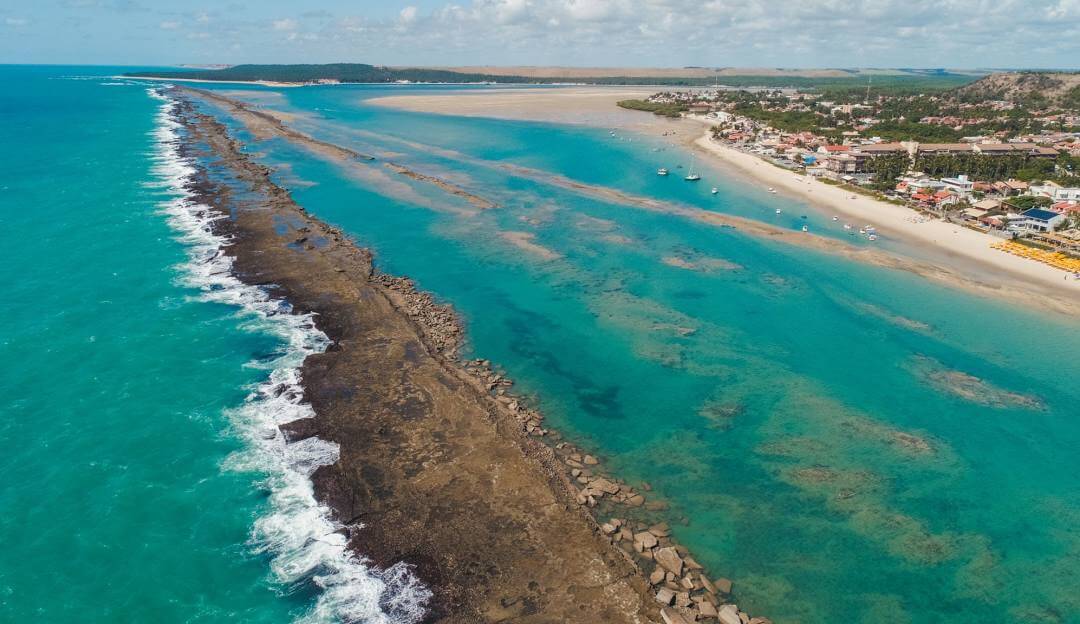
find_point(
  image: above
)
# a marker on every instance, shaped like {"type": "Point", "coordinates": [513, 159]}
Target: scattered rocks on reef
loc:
{"type": "Point", "coordinates": [670, 559]}
{"type": "Point", "coordinates": [671, 616]}
{"type": "Point", "coordinates": [687, 595]}
{"type": "Point", "coordinates": [440, 323]}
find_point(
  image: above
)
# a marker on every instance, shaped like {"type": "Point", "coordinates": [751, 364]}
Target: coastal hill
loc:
{"type": "Point", "coordinates": [1053, 87]}
{"type": "Point", "coordinates": [685, 76]}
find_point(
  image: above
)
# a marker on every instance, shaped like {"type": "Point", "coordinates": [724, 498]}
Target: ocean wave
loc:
{"type": "Point", "coordinates": [305, 545]}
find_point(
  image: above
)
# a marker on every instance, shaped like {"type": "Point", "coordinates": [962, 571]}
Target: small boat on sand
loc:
{"type": "Point", "coordinates": [835, 218]}
{"type": "Point", "coordinates": [772, 190]}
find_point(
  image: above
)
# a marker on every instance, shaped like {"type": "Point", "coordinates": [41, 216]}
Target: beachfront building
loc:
{"type": "Point", "coordinates": [961, 185]}
{"type": "Point", "coordinates": [1038, 220]}
{"type": "Point", "coordinates": [1066, 207]}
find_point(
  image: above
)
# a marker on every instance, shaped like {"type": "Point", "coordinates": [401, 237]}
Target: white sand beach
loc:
{"type": "Point", "coordinates": [594, 106]}
{"type": "Point", "coordinates": [942, 239]}
{"type": "Point", "coordinates": [954, 248]}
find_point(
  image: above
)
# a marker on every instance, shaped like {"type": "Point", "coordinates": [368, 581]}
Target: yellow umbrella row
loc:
{"type": "Point", "coordinates": [1055, 259]}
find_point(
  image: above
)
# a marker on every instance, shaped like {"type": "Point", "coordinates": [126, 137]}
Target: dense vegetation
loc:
{"type": "Point", "coordinates": [788, 121]}
{"type": "Point", "coordinates": [886, 169]}
{"type": "Point", "coordinates": [657, 108]}
{"type": "Point", "coordinates": [359, 72]}
{"type": "Point", "coordinates": [981, 167]}
{"type": "Point", "coordinates": [343, 72]}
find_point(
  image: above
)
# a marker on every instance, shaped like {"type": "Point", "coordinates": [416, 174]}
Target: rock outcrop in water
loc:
{"type": "Point", "coordinates": [440, 466]}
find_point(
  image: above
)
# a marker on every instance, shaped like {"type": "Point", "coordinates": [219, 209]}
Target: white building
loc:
{"type": "Point", "coordinates": [1037, 220]}
{"type": "Point", "coordinates": [960, 185]}
{"type": "Point", "coordinates": [1056, 192]}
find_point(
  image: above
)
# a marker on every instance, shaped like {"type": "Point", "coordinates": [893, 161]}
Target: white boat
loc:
{"type": "Point", "coordinates": [778, 211]}
{"type": "Point", "coordinates": [805, 229]}
{"type": "Point", "coordinates": [835, 218]}
{"type": "Point", "coordinates": [872, 237]}
{"type": "Point", "coordinates": [870, 229]}
{"type": "Point", "coordinates": [715, 190]}
{"type": "Point", "coordinates": [772, 190]}
{"type": "Point", "coordinates": [661, 171]}
{"type": "Point", "coordinates": [847, 226]}
{"type": "Point", "coordinates": [691, 176]}
{"type": "Point", "coordinates": [862, 231]}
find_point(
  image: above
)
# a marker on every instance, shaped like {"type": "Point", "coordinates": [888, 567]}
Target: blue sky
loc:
{"type": "Point", "coordinates": [743, 33]}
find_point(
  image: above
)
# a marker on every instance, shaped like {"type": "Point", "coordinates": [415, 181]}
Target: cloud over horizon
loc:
{"type": "Point", "coordinates": [826, 33]}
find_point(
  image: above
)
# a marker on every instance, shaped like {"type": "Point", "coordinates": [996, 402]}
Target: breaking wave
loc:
{"type": "Point", "coordinates": [305, 545]}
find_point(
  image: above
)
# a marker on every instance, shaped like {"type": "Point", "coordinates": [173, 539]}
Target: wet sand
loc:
{"type": "Point", "coordinates": [594, 106]}
{"type": "Point", "coordinates": [433, 471]}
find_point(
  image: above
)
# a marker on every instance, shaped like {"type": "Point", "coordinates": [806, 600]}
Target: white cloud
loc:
{"type": "Point", "coordinates": [824, 33]}
{"type": "Point", "coordinates": [717, 33]}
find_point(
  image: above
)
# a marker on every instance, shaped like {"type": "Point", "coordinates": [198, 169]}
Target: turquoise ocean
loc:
{"type": "Point", "coordinates": [847, 443]}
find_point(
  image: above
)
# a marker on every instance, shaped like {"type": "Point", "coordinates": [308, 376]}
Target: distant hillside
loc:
{"type": "Point", "coordinates": [906, 79]}
{"type": "Point", "coordinates": [342, 72]}
{"type": "Point", "coordinates": [1029, 88]}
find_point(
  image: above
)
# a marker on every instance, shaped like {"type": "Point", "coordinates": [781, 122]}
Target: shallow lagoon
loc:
{"type": "Point", "coordinates": [836, 438]}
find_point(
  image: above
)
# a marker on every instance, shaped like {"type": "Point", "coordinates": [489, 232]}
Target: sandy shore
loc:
{"type": "Point", "coordinates": [433, 470]}
{"type": "Point", "coordinates": [594, 106]}
{"type": "Point", "coordinates": [895, 222]}
{"type": "Point", "coordinates": [942, 251]}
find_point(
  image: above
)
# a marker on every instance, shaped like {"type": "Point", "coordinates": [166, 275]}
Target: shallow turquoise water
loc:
{"type": "Point", "coordinates": [794, 409]}
{"type": "Point", "coordinates": [143, 480]}
{"type": "Point", "coordinates": [115, 506]}
{"type": "Point", "coordinates": [798, 410]}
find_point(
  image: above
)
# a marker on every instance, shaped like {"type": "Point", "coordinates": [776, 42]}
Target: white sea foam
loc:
{"type": "Point", "coordinates": [305, 545]}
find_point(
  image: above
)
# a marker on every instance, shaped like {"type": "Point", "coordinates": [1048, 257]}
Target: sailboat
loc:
{"type": "Point", "coordinates": [692, 177]}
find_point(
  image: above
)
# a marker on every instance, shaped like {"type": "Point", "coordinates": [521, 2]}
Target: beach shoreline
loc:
{"type": "Point", "coordinates": [946, 252]}
{"type": "Point", "coordinates": [890, 220]}
{"type": "Point", "coordinates": [420, 433]}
